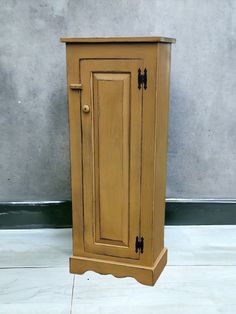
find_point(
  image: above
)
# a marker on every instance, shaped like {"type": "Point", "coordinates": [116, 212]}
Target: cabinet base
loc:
{"type": "Point", "coordinates": [143, 274]}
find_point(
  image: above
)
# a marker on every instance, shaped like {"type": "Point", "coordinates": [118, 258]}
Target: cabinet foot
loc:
{"type": "Point", "coordinates": [143, 274]}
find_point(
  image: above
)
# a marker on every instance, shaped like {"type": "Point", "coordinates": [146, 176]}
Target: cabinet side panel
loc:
{"type": "Point", "coordinates": [72, 52]}
{"type": "Point", "coordinates": [161, 138]}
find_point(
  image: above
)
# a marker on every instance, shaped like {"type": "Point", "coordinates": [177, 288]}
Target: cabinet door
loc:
{"type": "Point", "coordinates": [111, 144]}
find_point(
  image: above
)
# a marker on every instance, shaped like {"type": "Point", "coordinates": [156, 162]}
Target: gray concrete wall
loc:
{"type": "Point", "coordinates": [34, 158]}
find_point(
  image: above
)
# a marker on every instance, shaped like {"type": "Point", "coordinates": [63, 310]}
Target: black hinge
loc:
{"type": "Point", "coordinates": [142, 78]}
{"type": "Point", "coordinates": [139, 244]}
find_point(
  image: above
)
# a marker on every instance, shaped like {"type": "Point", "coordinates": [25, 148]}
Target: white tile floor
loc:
{"type": "Point", "coordinates": [200, 277]}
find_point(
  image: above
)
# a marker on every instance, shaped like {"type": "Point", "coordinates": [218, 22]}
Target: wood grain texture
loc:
{"type": "Point", "coordinates": [161, 144]}
{"type": "Point", "coordinates": [119, 149]}
{"type": "Point", "coordinates": [111, 131]}
{"type": "Point", "coordinates": [111, 156]}
{"type": "Point", "coordinates": [143, 274]}
{"type": "Point", "coordinates": [75, 149]}
{"type": "Point", "coordinates": [118, 40]}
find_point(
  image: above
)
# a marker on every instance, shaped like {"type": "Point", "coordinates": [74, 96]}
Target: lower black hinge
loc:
{"type": "Point", "coordinates": [139, 244]}
{"type": "Point", "coordinates": [142, 79]}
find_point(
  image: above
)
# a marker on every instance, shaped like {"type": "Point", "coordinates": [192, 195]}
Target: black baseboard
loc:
{"type": "Point", "coordinates": [29, 215]}
{"type": "Point", "coordinates": [201, 212]}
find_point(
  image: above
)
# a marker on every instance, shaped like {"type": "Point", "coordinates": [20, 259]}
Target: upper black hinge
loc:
{"type": "Point", "coordinates": [142, 78]}
{"type": "Point", "coordinates": [139, 244]}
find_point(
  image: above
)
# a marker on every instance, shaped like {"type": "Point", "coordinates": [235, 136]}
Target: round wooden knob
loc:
{"type": "Point", "coordinates": [86, 108]}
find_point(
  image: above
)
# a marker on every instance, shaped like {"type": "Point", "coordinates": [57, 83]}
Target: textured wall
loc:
{"type": "Point", "coordinates": [34, 158]}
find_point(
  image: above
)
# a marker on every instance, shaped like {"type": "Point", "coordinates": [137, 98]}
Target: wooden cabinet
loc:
{"type": "Point", "coordinates": [118, 90]}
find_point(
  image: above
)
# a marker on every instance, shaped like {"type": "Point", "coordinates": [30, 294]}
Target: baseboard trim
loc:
{"type": "Point", "coordinates": [58, 214]}
{"type": "Point", "coordinates": [33, 215]}
{"type": "Point", "coordinates": [200, 211]}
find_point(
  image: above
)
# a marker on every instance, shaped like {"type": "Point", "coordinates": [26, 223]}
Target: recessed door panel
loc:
{"type": "Point", "coordinates": [112, 131]}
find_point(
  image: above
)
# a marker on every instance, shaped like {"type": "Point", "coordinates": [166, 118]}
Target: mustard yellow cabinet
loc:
{"type": "Point", "coordinates": [118, 90]}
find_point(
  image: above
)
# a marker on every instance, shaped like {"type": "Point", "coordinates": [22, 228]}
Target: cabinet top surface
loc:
{"type": "Point", "coordinates": [118, 40]}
